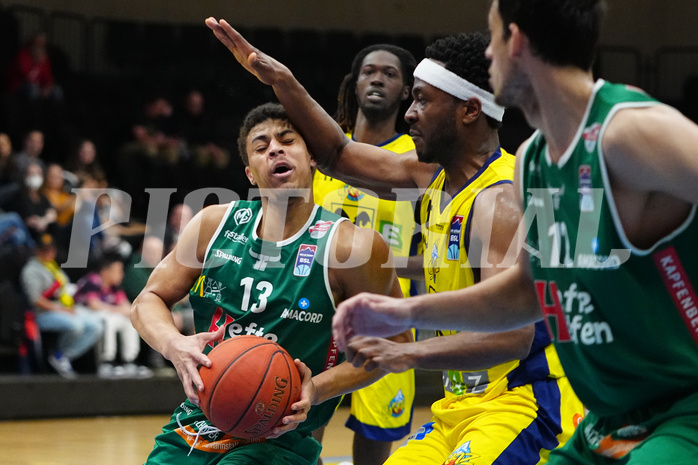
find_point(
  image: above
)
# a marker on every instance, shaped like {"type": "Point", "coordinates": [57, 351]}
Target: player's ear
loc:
{"type": "Point", "coordinates": [250, 176]}
{"type": "Point", "coordinates": [472, 108]}
{"type": "Point", "coordinates": [405, 92]}
{"type": "Point", "coordinates": [517, 40]}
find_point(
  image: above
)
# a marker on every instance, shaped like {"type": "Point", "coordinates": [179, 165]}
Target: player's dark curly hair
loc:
{"type": "Point", "coordinates": [347, 103]}
{"type": "Point", "coordinates": [256, 116]}
{"type": "Point", "coordinates": [464, 55]}
{"type": "Point", "coordinates": [561, 32]}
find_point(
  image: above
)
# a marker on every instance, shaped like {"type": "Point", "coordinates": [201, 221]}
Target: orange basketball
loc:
{"type": "Point", "coordinates": [250, 386]}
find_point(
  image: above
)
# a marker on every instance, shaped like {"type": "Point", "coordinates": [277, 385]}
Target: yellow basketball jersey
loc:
{"type": "Point", "coordinates": [393, 220]}
{"type": "Point", "coordinates": [445, 239]}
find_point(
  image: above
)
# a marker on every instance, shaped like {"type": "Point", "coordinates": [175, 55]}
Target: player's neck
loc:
{"type": "Point", "coordinates": [561, 96]}
{"type": "Point", "coordinates": [282, 218]}
{"type": "Point", "coordinates": [373, 132]}
{"type": "Point", "coordinates": [472, 154]}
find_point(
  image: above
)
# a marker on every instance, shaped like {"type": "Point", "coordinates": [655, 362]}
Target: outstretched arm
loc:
{"type": "Point", "coordinates": [361, 165]}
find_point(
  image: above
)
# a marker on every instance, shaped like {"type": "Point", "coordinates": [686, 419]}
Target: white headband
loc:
{"type": "Point", "coordinates": [449, 82]}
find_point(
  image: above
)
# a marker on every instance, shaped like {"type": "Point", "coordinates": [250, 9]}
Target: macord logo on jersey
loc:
{"type": "Point", "coordinates": [235, 237]}
{"type": "Point", "coordinates": [591, 136]}
{"type": "Point", "coordinates": [301, 315]}
{"type": "Point", "coordinates": [304, 259]}
{"type": "Point", "coordinates": [319, 229]}
{"type": "Point", "coordinates": [242, 216]}
{"type": "Point", "coordinates": [453, 251]}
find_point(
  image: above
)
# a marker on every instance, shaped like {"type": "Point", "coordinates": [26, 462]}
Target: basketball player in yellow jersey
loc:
{"type": "Point", "coordinates": [499, 407]}
{"type": "Point", "coordinates": [370, 100]}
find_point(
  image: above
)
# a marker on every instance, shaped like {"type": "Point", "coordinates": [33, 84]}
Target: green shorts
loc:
{"type": "Point", "coordinates": [660, 434]}
{"type": "Point", "coordinates": [189, 438]}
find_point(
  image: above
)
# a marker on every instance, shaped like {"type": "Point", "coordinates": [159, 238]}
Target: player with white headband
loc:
{"type": "Point", "coordinates": [506, 397]}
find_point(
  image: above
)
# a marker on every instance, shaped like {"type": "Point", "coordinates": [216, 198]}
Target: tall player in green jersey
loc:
{"type": "Point", "coordinates": [372, 96]}
{"type": "Point", "coordinates": [507, 399]}
{"type": "Point", "coordinates": [274, 268]}
{"type": "Point", "coordinates": [610, 187]}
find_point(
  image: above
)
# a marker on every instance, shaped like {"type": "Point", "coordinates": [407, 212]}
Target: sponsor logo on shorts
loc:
{"type": "Point", "coordinates": [397, 404]}
{"type": "Point", "coordinates": [304, 259]}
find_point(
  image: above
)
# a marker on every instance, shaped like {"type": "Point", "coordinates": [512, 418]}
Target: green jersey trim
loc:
{"type": "Point", "coordinates": [609, 192]}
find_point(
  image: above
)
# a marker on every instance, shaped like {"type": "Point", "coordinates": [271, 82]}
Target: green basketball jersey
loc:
{"type": "Point", "coordinates": [624, 319]}
{"type": "Point", "coordinates": [276, 290]}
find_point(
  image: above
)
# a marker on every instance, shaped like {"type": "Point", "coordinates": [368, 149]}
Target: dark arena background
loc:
{"type": "Point", "coordinates": [112, 59]}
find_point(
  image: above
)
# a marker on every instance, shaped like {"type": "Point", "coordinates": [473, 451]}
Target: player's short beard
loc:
{"type": "Point", "coordinates": [439, 146]}
{"type": "Point", "coordinates": [379, 113]}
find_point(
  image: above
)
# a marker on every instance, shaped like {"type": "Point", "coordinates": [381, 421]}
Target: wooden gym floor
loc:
{"type": "Point", "coordinates": [127, 440]}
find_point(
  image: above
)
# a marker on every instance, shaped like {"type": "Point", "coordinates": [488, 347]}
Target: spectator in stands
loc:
{"type": "Point", "coordinates": [154, 134]}
{"type": "Point", "coordinates": [61, 200]}
{"type": "Point", "coordinates": [30, 75]}
{"type": "Point", "coordinates": [101, 292]}
{"type": "Point", "coordinates": [84, 162]}
{"type": "Point", "coordinates": [48, 290]}
{"type": "Point", "coordinates": [32, 148]}
{"type": "Point", "coordinates": [179, 217]}
{"type": "Point", "coordinates": [13, 232]}
{"type": "Point", "coordinates": [151, 159]}
{"type": "Point", "coordinates": [33, 206]}
{"type": "Point", "coordinates": [7, 160]}
{"type": "Point", "coordinates": [196, 128]}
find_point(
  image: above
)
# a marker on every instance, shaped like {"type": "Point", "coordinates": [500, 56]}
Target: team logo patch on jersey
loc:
{"type": "Point", "coordinates": [319, 229]}
{"type": "Point", "coordinates": [397, 404]}
{"type": "Point", "coordinates": [433, 263]}
{"type": "Point", "coordinates": [453, 251]}
{"type": "Point", "coordinates": [304, 259]}
{"type": "Point", "coordinates": [242, 216]}
{"type": "Point", "coordinates": [461, 455]}
{"type": "Point", "coordinates": [586, 200]}
{"type": "Point", "coordinates": [591, 135]}
{"type": "Point", "coordinates": [264, 260]}
{"type": "Point", "coordinates": [354, 194]}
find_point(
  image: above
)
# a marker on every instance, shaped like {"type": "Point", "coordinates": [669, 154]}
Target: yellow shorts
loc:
{"type": "Point", "coordinates": [383, 410]}
{"type": "Point", "coordinates": [517, 427]}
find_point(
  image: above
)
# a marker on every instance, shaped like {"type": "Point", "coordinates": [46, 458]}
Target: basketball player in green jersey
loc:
{"type": "Point", "coordinates": [274, 268]}
{"type": "Point", "coordinates": [507, 398]}
{"type": "Point", "coordinates": [609, 183]}
{"type": "Point", "coordinates": [370, 99]}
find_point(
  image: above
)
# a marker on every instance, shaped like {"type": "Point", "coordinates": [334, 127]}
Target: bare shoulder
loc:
{"type": "Point", "coordinates": [355, 244]}
{"type": "Point", "coordinates": [361, 261]}
{"type": "Point", "coordinates": [191, 246]}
